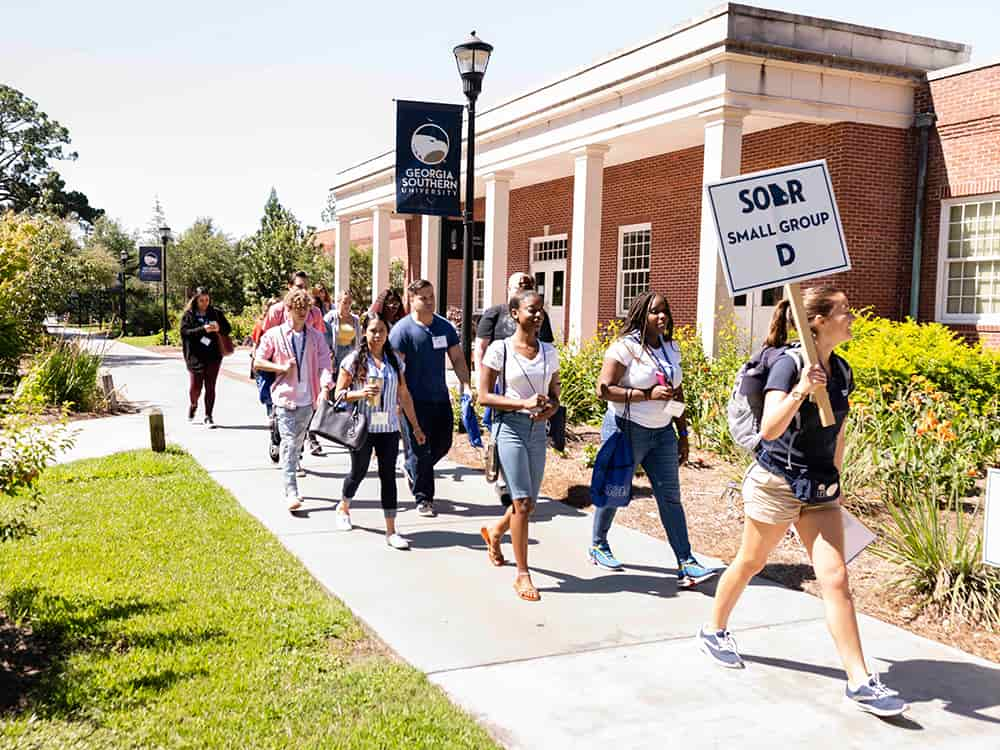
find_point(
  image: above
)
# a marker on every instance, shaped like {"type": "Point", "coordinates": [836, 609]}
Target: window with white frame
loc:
{"type": "Point", "coordinates": [478, 285]}
{"type": "Point", "coordinates": [548, 248]}
{"type": "Point", "coordinates": [969, 269]}
{"type": "Point", "coordinates": [634, 245]}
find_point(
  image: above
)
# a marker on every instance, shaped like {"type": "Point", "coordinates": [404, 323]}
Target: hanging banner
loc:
{"type": "Point", "coordinates": [150, 263]}
{"type": "Point", "coordinates": [777, 227]}
{"type": "Point", "coordinates": [428, 158]}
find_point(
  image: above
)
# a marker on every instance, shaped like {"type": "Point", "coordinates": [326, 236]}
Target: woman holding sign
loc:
{"type": "Point", "coordinates": [796, 479]}
{"type": "Point", "coordinates": [642, 371]}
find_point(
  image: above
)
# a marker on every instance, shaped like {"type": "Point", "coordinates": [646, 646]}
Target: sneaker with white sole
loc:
{"type": "Point", "coordinates": [876, 698]}
{"type": "Point", "coordinates": [343, 521]}
{"type": "Point", "coordinates": [721, 647]}
{"type": "Point", "coordinates": [692, 572]}
{"type": "Point", "coordinates": [397, 542]}
{"type": "Point", "coordinates": [602, 557]}
{"type": "Point", "coordinates": [426, 510]}
{"type": "Point", "coordinates": [294, 502]}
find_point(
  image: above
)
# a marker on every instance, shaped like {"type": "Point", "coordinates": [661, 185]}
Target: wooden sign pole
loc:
{"type": "Point", "coordinates": [794, 295]}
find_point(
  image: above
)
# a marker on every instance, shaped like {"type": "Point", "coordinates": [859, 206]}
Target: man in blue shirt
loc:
{"type": "Point", "coordinates": [424, 339]}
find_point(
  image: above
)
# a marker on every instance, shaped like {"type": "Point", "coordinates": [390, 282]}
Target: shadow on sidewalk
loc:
{"type": "Point", "coordinates": [661, 586]}
{"type": "Point", "coordinates": [133, 360]}
{"type": "Point", "coordinates": [964, 689]}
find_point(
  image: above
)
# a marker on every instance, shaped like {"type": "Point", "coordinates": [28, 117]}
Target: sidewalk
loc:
{"type": "Point", "coordinates": [605, 660]}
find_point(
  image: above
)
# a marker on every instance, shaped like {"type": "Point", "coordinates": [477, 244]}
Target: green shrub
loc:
{"type": "Point", "coordinates": [886, 352]}
{"type": "Point", "coordinates": [242, 325]}
{"type": "Point", "coordinates": [579, 368]}
{"type": "Point", "coordinates": [63, 374]}
{"type": "Point", "coordinates": [942, 560]}
{"type": "Point", "coordinates": [708, 384]}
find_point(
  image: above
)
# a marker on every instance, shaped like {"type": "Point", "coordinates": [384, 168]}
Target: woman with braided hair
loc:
{"type": "Point", "coordinates": [372, 377]}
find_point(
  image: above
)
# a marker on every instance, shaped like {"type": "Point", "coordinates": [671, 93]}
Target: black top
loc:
{"type": "Point", "coordinates": [201, 348]}
{"type": "Point", "coordinates": [807, 444]}
{"type": "Point", "coordinates": [497, 325]}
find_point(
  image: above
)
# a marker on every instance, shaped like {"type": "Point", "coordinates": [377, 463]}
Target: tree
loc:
{"type": "Point", "coordinates": [280, 247]}
{"type": "Point", "coordinates": [329, 214]}
{"type": "Point", "coordinates": [397, 274]}
{"type": "Point", "coordinates": [29, 141]}
{"type": "Point", "coordinates": [204, 257]}
{"type": "Point", "coordinates": [156, 221]}
{"type": "Point", "coordinates": [361, 277]}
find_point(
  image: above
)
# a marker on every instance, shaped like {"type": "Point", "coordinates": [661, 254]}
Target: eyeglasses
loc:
{"type": "Point", "coordinates": [526, 282]}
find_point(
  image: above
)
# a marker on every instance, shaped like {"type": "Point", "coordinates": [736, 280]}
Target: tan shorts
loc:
{"type": "Point", "coordinates": [767, 498]}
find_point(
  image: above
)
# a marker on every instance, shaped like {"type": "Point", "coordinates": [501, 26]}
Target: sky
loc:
{"type": "Point", "coordinates": [208, 105]}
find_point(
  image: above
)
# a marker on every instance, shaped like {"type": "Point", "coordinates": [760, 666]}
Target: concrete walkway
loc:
{"type": "Point", "coordinates": [605, 660]}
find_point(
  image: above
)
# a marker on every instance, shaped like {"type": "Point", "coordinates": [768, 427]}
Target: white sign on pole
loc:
{"type": "Point", "coordinates": [991, 525]}
{"type": "Point", "coordinates": [778, 227]}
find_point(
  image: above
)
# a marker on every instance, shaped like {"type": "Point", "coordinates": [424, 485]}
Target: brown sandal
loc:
{"type": "Point", "coordinates": [492, 548]}
{"type": "Point", "coordinates": [529, 593]}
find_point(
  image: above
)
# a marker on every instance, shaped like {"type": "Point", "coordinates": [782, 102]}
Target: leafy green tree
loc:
{"type": "Point", "coordinates": [29, 141]}
{"type": "Point", "coordinates": [281, 246]}
{"type": "Point", "coordinates": [397, 274]}
{"type": "Point", "coordinates": [204, 257]}
{"type": "Point", "coordinates": [361, 277]}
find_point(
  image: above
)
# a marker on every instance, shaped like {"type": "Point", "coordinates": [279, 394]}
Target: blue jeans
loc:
{"type": "Point", "coordinates": [292, 426]}
{"type": "Point", "coordinates": [437, 422]}
{"type": "Point", "coordinates": [656, 452]}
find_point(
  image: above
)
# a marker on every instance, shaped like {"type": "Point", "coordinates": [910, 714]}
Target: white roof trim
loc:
{"type": "Point", "coordinates": [956, 70]}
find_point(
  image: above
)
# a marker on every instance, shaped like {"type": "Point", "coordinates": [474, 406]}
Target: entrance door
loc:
{"type": "Point", "coordinates": [548, 266]}
{"type": "Point", "coordinates": [754, 312]}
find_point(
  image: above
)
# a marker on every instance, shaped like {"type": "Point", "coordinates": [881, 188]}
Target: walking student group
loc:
{"type": "Point", "coordinates": [389, 367]}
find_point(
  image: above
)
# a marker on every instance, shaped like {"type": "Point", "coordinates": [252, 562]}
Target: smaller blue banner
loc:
{"type": "Point", "coordinates": [151, 263]}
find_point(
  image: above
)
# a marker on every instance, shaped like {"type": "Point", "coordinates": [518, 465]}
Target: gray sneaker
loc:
{"type": "Point", "coordinates": [426, 510]}
{"type": "Point", "coordinates": [721, 646]}
{"type": "Point", "coordinates": [876, 698]}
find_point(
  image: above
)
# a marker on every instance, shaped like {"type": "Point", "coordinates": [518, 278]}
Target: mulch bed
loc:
{"type": "Point", "coordinates": [715, 523]}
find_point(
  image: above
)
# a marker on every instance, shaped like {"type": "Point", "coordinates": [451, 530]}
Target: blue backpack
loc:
{"type": "Point", "coordinates": [614, 467]}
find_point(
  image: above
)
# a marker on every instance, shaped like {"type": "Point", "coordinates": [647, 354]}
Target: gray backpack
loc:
{"type": "Point", "coordinates": [746, 403]}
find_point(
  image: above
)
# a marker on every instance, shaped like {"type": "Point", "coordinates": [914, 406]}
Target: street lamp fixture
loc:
{"type": "Point", "coordinates": [472, 57]}
{"type": "Point", "coordinates": [164, 241]}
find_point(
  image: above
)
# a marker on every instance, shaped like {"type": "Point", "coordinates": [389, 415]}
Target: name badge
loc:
{"type": "Point", "coordinates": [380, 419]}
{"type": "Point", "coordinates": [206, 341]}
{"type": "Point", "coordinates": [674, 408]}
{"type": "Point", "coordinates": [440, 342]}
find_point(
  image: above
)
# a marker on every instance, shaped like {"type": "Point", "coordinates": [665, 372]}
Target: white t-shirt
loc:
{"type": "Point", "coordinates": [524, 377]}
{"type": "Point", "coordinates": [641, 365]}
{"type": "Point", "coordinates": [303, 395]}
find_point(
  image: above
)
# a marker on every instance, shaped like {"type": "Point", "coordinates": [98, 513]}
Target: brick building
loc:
{"type": "Point", "coordinates": [593, 181]}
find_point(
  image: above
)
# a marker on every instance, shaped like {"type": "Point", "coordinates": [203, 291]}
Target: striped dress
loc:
{"type": "Point", "coordinates": [389, 400]}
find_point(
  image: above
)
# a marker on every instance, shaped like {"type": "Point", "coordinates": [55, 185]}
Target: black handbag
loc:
{"type": "Point", "coordinates": [340, 423]}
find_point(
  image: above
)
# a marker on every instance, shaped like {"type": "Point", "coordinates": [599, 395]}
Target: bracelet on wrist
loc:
{"type": "Point", "coordinates": [682, 433]}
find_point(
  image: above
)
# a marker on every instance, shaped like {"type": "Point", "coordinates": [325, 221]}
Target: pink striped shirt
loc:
{"type": "Point", "coordinates": [276, 346]}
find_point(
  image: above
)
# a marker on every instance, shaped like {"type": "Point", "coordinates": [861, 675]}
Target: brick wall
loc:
{"type": "Point", "coordinates": [872, 170]}
{"type": "Point", "coordinates": [963, 161]}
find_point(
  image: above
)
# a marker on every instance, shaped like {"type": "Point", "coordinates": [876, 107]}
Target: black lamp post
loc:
{"type": "Point", "coordinates": [164, 241]}
{"type": "Point", "coordinates": [472, 57]}
{"type": "Point", "coordinates": [123, 257]}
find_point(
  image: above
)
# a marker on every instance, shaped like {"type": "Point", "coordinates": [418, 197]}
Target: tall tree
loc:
{"type": "Point", "coordinates": [29, 141]}
{"type": "Point", "coordinates": [157, 220]}
{"type": "Point", "coordinates": [204, 257]}
{"type": "Point", "coordinates": [280, 247]}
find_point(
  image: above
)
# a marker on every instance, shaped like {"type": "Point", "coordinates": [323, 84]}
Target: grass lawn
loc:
{"type": "Point", "coordinates": [170, 618]}
{"type": "Point", "coordinates": [153, 339]}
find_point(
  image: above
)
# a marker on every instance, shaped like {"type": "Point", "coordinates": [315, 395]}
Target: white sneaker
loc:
{"type": "Point", "coordinates": [426, 510]}
{"type": "Point", "coordinates": [294, 502]}
{"type": "Point", "coordinates": [397, 542]}
{"type": "Point", "coordinates": [343, 521]}
{"type": "Point", "coordinates": [300, 472]}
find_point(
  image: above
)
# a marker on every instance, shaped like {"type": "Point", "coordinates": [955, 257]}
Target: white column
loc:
{"type": "Point", "coordinates": [380, 249]}
{"type": "Point", "coordinates": [342, 256]}
{"type": "Point", "coordinates": [495, 246]}
{"type": "Point", "coordinates": [430, 247]}
{"type": "Point", "coordinates": [723, 149]}
{"type": "Point", "coordinates": [585, 251]}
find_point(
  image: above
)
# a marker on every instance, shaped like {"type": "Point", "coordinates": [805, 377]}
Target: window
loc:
{"type": "Point", "coordinates": [548, 248]}
{"type": "Point", "coordinates": [634, 244]}
{"type": "Point", "coordinates": [969, 261]}
{"type": "Point", "coordinates": [478, 285]}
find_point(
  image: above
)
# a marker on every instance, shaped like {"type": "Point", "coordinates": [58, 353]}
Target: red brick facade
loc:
{"type": "Point", "coordinates": [964, 161]}
{"type": "Point", "coordinates": [873, 171]}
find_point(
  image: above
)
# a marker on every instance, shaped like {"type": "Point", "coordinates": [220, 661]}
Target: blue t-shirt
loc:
{"type": "Point", "coordinates": [425, 349]}
{"type": "Point", "coordinates": [807, 444]}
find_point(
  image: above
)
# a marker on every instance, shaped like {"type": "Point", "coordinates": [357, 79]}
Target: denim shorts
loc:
{"type": "Point", "coordinates": [521, 444]}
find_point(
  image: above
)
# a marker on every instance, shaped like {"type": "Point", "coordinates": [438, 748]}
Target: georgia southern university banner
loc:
{"type": "Point", "coordinates": [150, 265]}
{"type": "Point", "coordinates": [428, 158]}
